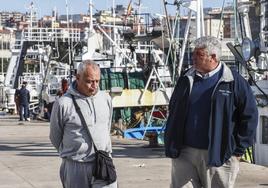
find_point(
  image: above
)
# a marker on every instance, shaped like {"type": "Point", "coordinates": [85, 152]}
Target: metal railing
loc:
{"type": "Point", "coordinates": [51, 34]}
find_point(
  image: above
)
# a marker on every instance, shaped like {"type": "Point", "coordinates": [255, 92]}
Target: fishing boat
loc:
{"type": "Point", "coordinates": [133, 67]}
{"type": "Point", "coordinates": [33, 48]}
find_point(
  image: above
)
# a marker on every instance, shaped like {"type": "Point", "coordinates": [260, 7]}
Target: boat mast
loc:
{"type": "Point", "coordinates": [138, 20]}
{"type": "Point", "coordinates": [139, 12]}
{"type": "Point", "coordinates": [91, 16]}
{"type": "Point", "coordinates": [200, 31]}
{"type": "Point", "coordinates": [263, 58]}
{"type": "Point", "coordinates": [167, 19]}
{"type": "Point", "coordinates": [69, 41]}
{"type": "Point", "coordinates": [33, 21]}
{"type": "Point", "coordinates": [243, 10]}
{"type": "Point", "coordinates": [114, 29]}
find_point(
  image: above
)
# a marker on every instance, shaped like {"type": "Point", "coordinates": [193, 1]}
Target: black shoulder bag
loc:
{"type": "Point", "coordinates": [104, 169]}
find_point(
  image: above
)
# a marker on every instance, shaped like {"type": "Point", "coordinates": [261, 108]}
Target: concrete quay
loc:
{"type": "Point", "coordinates": [28, 160]}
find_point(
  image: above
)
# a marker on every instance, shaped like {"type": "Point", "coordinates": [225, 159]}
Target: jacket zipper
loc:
{"type": "Point", "coordinates": [92, 101]}
{"type": "Point", "coordinates": [94, 111]}
{"type": "Point", "coordinates": [210, 116]}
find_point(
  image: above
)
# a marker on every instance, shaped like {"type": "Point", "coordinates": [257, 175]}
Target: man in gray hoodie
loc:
{"type": "Point", "coordinates": [69, 136]}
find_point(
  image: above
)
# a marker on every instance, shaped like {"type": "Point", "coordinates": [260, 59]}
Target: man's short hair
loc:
{"type": "Point", "coordinates": [82, 66]}
{"type": "Point", "coordinates": [211, 44]}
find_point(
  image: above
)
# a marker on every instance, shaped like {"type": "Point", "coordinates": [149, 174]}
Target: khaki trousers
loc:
{"type": "Point", "coordinates": [190, 170]}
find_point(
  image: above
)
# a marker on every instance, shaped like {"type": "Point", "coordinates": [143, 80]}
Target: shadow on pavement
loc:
{"type": "Point", "coordinates": [125, 149]}
{"type": "Point", "coordinates": [137, 150]}
{"type": "Point", "coordinates": [29, 149]}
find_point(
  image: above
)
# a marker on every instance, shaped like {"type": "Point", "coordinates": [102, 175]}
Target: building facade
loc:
{"type": "Point", "coordinates": [7, 40]}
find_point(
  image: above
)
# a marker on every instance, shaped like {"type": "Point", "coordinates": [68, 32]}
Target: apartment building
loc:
{"type": "Point", "coordinates": [7, 39]}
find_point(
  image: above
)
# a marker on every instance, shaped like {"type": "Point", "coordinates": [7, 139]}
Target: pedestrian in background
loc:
{"type": "Point", "coordinates": [24, 101]}
{"type": "Point", "coordinates": [212, 120]}
{"type": "Point", "coordinates": [68, 134]}
{"type": "Point", "coordinates": [17, 100]}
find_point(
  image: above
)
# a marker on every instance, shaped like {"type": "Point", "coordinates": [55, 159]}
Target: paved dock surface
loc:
{"type": "Point", "coordinates": [28, 160]}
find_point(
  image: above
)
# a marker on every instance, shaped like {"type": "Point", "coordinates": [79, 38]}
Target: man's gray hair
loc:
{"type": "Point", "coordinates": [211, 44]}
{"type": "Point", "coordinates": [84, 64]}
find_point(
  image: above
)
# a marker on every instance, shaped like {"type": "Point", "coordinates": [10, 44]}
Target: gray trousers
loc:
{"type": "Point", "coordinates": [79, 175]}
{"type": "Point", "coordinates": [190, 170]}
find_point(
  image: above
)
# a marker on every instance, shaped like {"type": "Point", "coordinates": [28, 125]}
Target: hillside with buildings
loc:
{"type": "Point", "coordinates": [217, 23]}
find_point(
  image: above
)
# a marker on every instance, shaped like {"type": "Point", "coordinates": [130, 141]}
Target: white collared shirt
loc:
{"type": "Point", "coordinates": [211, 73]}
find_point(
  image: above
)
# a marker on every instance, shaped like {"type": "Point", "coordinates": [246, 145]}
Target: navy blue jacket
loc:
{"type": "Point", "coordinates": [233, 117]}
{"type": "Point", "coordinates": [24, 96]}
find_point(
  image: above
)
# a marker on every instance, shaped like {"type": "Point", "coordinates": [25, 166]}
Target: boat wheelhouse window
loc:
{"type": "Point", "coordinates": [264, 120]}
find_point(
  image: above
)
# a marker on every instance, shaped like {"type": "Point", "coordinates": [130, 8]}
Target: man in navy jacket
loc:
{"type": "Point", "coordinates": [212, 120]}
{"type": "Point", "coordinates": [24, 98]}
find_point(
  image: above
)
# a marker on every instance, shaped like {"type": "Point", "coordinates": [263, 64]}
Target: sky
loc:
{"type": "Point", "coordinates": [45, 7]}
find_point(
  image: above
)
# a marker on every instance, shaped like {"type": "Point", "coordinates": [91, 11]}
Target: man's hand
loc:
{"type": "Point", "coordinates": [238, 157]}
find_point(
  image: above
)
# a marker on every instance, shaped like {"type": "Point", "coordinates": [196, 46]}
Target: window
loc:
{"type": "Point", "coordinates": [264, 120]}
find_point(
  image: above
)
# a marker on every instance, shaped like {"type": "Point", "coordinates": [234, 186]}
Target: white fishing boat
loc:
{"type": "Point", "coordinates": [33, 46]}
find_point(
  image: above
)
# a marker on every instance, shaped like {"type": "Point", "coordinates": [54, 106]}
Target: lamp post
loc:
{"type": "Point", "coordinates": [2, 54]}
{"type": "Point", "coordinates": [2, 59]}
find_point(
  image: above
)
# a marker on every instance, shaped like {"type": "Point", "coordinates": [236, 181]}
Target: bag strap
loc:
{"type": "Point", "coordinates": [78, 110]}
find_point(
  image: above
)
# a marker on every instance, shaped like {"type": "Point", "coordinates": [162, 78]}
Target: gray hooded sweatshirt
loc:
{"type": "Point", "coordinates": [67, 133]}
